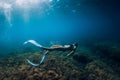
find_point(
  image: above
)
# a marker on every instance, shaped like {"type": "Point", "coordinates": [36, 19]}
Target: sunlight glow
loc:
{"type": "Point", "coordinates": [7, 5]}
{"type": "Point", "coordinates": [7, 11]}
{"type": "Point", "coordinates": [22, 5]}
{"type": "Point", "coordinates": [27, 3]}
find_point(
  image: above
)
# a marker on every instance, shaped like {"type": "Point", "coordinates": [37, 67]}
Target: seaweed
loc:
{"type": "Point", "coordinates": [81, 66]}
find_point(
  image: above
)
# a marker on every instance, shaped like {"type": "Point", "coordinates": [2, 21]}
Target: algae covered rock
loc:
{"type": "Point", "coordinates": [97, 70]}
{"type": "Point", "coordinates": [83, 55]}
{"type": "Point", "coordinates": [82, 58]}
{"type": "Point", "coordinates": [54, 68]}
{"type": "Point", "coordinates": [110, 50]}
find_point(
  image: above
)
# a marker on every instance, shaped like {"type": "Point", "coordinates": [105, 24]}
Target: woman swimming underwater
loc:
{"type": "Point", "coordinates": [72, 48]}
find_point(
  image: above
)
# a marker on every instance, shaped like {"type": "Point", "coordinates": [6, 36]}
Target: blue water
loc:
{"type": "Point", "coordinates": [66, 21]}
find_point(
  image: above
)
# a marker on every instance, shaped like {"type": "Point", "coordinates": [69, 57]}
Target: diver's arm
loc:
{"type": "Point", "coordinates": [47, 52]}
{"type": "Point", "coordinates": [72, 52]}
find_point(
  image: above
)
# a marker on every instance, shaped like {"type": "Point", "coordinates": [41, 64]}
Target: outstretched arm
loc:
{"type": "Point", "coordinates": [72, 52]}
{"type": "Point", "coordinates": [47, 52]}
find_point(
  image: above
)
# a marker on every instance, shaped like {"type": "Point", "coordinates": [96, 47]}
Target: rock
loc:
{"type": "Point", "coordinates": [109, 50]}
{"type": "Point", "coordinates": [97, 70]}
{"type": "Point", "coordinates": [54, 68]}
{"type": "Point", "coordinates": [82, 58]}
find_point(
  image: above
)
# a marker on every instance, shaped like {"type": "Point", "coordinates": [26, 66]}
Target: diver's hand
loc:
{"type": "Point", "coordinates": [70, 53]}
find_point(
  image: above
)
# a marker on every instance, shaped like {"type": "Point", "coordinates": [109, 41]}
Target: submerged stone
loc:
{"type": "Point", "coordinates": [109, 50]}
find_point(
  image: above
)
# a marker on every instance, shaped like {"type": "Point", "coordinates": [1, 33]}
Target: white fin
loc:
{"type": "Point", "coordinates": [33, 42]}
{"type": "Point", "coordinates": [33, 64]}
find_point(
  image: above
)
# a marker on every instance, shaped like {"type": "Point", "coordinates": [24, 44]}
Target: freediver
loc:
{"type": "Point", "coordinates": [72, 48]}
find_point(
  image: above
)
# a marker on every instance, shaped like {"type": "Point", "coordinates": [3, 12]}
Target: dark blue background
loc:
{"type": "Point", "coordinates": [84, 21]}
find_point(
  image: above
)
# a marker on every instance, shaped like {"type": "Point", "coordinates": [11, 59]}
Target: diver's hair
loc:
{"type": "Point", "coordinates": [76, 44]}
